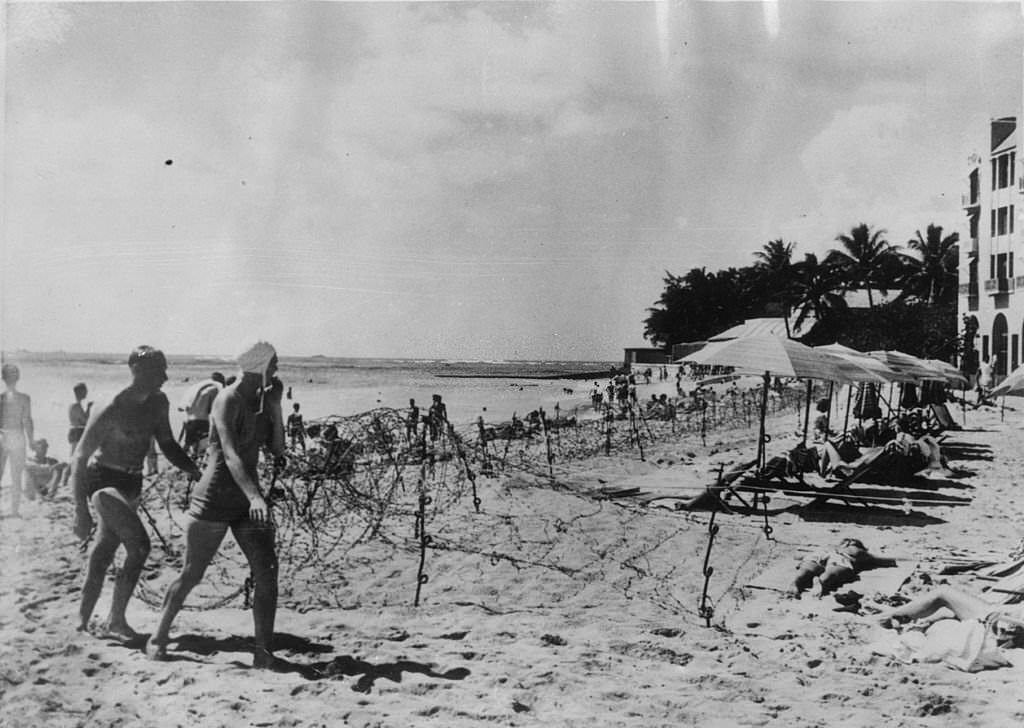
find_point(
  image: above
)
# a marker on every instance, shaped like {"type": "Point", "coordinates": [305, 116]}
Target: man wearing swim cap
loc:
{"type": "Point", "coordinates": [246, 415]}
{"type": "Point", "coordinates": [106, 470]}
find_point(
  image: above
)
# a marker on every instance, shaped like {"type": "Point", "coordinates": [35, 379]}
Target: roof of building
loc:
{"type": "Point", "coordinates": [765, 327]}
{"type": "Point", "coordinates": [858, 297]}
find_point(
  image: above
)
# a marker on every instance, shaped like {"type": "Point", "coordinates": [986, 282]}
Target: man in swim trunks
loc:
{"type": "Point", "coordinates": [18, 432]}
{"type": "Point", "coordinates": [245, 416]}
{"type": "Point", "coordinates": [78, 415]}
{"type": "Point", "coordinates": [117, 439]}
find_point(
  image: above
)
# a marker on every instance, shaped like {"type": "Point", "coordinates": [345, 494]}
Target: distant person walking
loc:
{"type": "Point", "coordinates": [78, 415]}
{"type": "Point", "coordinates": [412, 422]}
{"type": "Point", "coordinates": [437, 417]}
{"type": "Point", "coordinates": [297, 428]}
{"type": "Point", "coordinates": [17, 431]}
{"type": "Point", "coordinates": [246, 416]}
{"type": "Point", "coordinates": [985, 379]}
{"type": "Point", "coordinates": [119, 436]}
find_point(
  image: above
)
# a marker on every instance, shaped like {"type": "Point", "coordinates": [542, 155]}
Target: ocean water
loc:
{"type": "Point", "coordinates": [322, 385]}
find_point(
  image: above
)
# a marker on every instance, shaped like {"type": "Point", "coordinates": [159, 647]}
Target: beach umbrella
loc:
{"type": "Point", "coordinates": [858, 368]}
{"type": "Point", "coordinates": [951, 373]}
{"type": "Point", "coordinates": [1012, 386]}
{"type": "Point", "coordinates": [772, 355]}
{"type": "Point", "coordinates": [907, 364]}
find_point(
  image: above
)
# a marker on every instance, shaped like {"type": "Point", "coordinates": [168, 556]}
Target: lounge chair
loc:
{"type": "Point", "coordinates": [941, 414]}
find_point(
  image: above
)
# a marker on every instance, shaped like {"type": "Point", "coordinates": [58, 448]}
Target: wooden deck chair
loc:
{"type": "Point", "coordinates": [942, 416]}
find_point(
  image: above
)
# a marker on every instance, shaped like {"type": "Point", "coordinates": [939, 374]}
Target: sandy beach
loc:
{"type": "Point", "coordinates": [552, 605]}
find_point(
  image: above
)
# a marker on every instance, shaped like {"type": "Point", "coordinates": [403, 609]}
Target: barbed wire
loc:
{"type": "Point", "coordinates": [373, 478]}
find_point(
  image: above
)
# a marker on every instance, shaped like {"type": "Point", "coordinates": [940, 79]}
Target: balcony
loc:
{"type": "Point", "coordinates": [969, 200]}
{"type": "Point", "coordinates": [995, 286]}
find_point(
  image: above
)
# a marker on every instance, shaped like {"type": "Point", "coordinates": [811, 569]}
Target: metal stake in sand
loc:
{"type": "Point", "coordinates": [609, 418]}
{"type": "Point", "coordinates": [485, 466]}
{"type": "Point", "coordinates": [705, 610]}
{"type": "Point", "coordinates": [461, 452]}
{"type": "Point", "coordinates": [547, 441]}
{"type": "Point", "coordinates": [421, 531]}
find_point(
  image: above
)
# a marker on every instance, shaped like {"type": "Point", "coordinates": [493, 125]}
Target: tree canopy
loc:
{"type": "Point", "coordinates": [920, 320]}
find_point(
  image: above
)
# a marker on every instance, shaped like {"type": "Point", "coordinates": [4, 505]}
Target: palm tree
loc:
{"type": "Point", "coordinates": [933, 278]}
{"type": "Point", "coordinates": [775, 262]}
{"type": "Point", "coordinates": [866, 258]}
{"type": "Point", "coordinates": [775, 257]}
{"type": "Point", "coordinates": [817, 288]}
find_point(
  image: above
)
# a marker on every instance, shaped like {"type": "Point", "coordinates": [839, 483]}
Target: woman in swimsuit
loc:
{"type": "Point", "coordinates": [246, 416]}
{"type": "Point", "coordinates": [18, 431]}
{"type": "Point", "coordinates": [106, 470]}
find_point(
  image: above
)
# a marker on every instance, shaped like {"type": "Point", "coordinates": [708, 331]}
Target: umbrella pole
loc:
{"type": "Point", "coordinates": [1002, 409]}
{"type": "Point", "coordinates": [828, 412]}
{"type": "Point", "coordinates": [807, 411]}
{"type": "Point", "coordinates": [764, 413]}
{"type": "Point", "coordinates": [846, 421]}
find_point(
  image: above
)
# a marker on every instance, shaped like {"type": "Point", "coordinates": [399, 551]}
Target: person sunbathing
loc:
{"type": "Point", "coordinates": [826, 571]}
{"type": "Point", "coordinates": [939, 603]}
{"type": "Point", "coordinates": [905, 456]}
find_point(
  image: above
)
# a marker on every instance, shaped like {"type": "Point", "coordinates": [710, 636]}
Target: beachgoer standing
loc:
{"type": "Point", "coordinates": [17, 431]}
{"type": "Point", "coordinates": [296, 427]}
{"type": "Point", "coordinates": [197, 409]}
{"type": "Point", "coordinates": [78, 415]}
{"type": "Point", "coordinates": [119, 434]}
{"type": "Point", "coordinates": [412, 422]}
{"type": "Point", "coordinates": [437, 417]}
{"type": "Point", "coordinates": [246, 416]}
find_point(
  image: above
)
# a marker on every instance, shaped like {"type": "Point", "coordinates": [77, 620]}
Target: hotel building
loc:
{"type": "Point", "coordinates": [990, 289]}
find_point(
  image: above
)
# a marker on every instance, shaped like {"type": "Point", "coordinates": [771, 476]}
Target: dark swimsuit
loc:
{"type": "Point", "coordinates": [127, 484]}
{"type": "Point", "coordinates": [217, 496]}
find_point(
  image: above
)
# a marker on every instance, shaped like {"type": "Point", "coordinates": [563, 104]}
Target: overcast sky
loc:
{"type": "Point", "coordinates": [466, 180]}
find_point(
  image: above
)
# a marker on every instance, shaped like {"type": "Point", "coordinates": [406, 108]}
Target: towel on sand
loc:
{"type": "Point", "coordinates": [969, 645]}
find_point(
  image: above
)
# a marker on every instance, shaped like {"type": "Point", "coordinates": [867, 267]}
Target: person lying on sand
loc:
{"type": "Point", "coordinates": [939, 603]}
{"type": "Point", "coordinates": [826, 571]}
{"type": "Point", "coordinates": [119, 435]}
{"type": "Point", "coordinates": [245, 416]}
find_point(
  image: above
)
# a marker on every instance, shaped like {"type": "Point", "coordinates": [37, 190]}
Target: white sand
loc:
{"type": "Point", "coordinates": [616, 643]}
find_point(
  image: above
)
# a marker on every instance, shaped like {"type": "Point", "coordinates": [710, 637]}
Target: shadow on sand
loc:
{"type": "Point", "coordinates": [343, 666]}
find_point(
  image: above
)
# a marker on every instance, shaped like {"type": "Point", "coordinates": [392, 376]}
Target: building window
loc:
{"type": "Point", "coordinates": [1010, 224]}
{"type": "Point", "coordinates": [984, 347]}
{"type": "Point", "coordinates": [1001, 221]}
{"type": "Point", "coordinates": [991, 266]}
{"type": "Point", "coordinates": [995, 173]}
{"type": "Point", "coordinates": [993, 233]}
{"type": "Point", "coordinates": [1001, 266]}
{"type": "Point", "coordinates": [1004, 171]}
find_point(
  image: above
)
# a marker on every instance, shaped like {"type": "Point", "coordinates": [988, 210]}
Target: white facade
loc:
{"type": "Point", "coordinates": [991, 285]}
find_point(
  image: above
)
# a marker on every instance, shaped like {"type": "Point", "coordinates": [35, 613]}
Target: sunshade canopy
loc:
{"type": "Point", "coordinates": [774, 354]}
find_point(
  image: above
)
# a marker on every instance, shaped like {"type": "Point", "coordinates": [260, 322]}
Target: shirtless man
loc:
{"type": "Point", "coordinates": [18, 431]}
{"type": "Point", "coordinates": [119, 435]}
{"type": "Point", "coordinates": [245, 416]}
